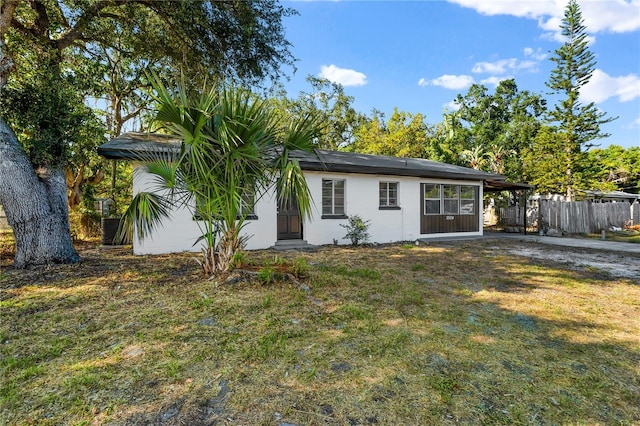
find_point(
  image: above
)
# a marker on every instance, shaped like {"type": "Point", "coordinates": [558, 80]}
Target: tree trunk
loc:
{"type": "Point", "coordinates": [35, 205]}
{"type": "Point", "coordinates": [569, 150]}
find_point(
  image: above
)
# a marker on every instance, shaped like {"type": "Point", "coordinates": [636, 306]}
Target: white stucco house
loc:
{"type": "Point", "coordinates": [404, 199]}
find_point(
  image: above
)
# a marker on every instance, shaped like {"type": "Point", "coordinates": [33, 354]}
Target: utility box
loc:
{"type": "Point", "coordinates": [109, 230]}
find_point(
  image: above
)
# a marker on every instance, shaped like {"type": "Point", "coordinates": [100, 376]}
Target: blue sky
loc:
{"type": "Point", "coordinates": [417, 55]}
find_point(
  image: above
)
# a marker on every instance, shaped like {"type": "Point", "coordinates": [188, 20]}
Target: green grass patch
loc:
{"type": "Point", "coordinates": [624, 236]}
{"type": "Point", "coordinates": [364, 273]}
{"type": "Point", "coordinates": [460, 332]}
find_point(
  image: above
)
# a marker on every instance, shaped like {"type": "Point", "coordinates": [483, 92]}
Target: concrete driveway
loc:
{"type": "Point", "coordinates": [587, 243]}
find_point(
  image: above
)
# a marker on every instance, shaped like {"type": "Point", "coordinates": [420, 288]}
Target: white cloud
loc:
{"type": "Point", "coordinates": [451, 106]}
{"type": "Point", "coordinates": [617, 16]}
{"type": "Point", "coordinates": [343, 76]}
{"type": "Point", "coordinates": [525, 9]}
{"type": "Point", "coordinates": [453, 82]}
{"type": "Point", "coordinates": [494, 80]}
{"type": "Point", "coordinates": [537, 55]}
{"type": "Point", "coordinates": [602, 87]}
{"type": "Point", "coordinates": [497, 67]}
{"type": "Point", "coordinates": [635, 123]}
{"type": "Point", "coordinates": [502, 66]}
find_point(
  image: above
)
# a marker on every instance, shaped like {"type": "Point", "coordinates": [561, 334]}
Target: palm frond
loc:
{"type": "Point", "coordinates": [143, 216]}
{"type": "Point", "coordinates": [302, 133]}
{"type": "Point", "coordinates": [291, 185]}
{"type": "Point", "coordinates": [229, 139]}
{"type": "Point", "coordinates": [164, 172]}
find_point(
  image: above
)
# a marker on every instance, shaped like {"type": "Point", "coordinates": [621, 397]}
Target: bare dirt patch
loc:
{"type": "Point", "coordinates": [616, 264]}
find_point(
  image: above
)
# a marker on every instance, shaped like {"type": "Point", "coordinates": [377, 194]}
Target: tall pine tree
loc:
{"type": "Point", "coordinates": [578, 124]}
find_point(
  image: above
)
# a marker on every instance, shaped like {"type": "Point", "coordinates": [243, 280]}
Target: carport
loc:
{"type": "Point", "coordinates": [513, 187]}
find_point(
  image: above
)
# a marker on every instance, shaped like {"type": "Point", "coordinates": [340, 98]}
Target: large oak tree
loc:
{"type": "Point", "coordinates": [238, 40]}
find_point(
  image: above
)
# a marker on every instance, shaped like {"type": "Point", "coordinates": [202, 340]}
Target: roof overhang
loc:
{"type": "Point", "coordinates": [140, 146]}
{"type": "Point", "coordinates": [498, 186]}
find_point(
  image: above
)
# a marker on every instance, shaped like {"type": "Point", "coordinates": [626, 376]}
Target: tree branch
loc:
{"type": "Point", "coordinates": [97, 9]}
{"type": "Point", "coordinates": [83, 21]}
{"type": "Point", "coordinates": [132, 114]}
{"type": "Point", "coordinates": [42, 22]}
{"type": "Point", "coordinates": [7, 11]}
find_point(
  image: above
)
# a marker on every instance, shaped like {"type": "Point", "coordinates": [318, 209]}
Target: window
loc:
{"type": "Point", "coordinates": [332, 197]}
{"type": "Point", "coordinates": [450, 197]}
{"type": "Point", "coordinates": [388, 194]}
{"type": "Point", "coordinates": [445, 199]}
{"type": "Point", "coordinates": [467, 199]}
{"type": "Point", "coordinates": [247, 207]}
{"type": "Point", "coordinates": [431, 198]}
{"type": "Point", "coordinates": [248, 204]}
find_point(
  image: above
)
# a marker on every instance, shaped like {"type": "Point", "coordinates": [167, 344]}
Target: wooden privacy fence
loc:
{"type": "Point", "coordinates": [577, 217]}
{"type": "Point", "coordinates": [583, 217]}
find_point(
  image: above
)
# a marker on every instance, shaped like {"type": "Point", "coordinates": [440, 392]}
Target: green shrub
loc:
{"type": "Point", "coordinates": [266, 275]}
{"type": "Point", "coordinates": [357, 230]}
{"type": "Point", "coordinates": [300, 268]}
{"type": "Point", "coordinates": [238, 260]}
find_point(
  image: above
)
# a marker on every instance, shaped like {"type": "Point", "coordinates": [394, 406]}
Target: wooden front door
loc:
{"type": "Point", "coordinates": [289, 223]}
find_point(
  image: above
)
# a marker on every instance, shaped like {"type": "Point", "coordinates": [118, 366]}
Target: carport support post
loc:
{"type": "Point", "coordinates": [524, 213]}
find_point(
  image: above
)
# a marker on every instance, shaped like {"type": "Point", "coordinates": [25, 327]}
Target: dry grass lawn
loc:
{"type": "Point", "coordinates": [447, 333]}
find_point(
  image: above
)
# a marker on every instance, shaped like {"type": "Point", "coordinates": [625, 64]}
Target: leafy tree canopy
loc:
{"type": "Point", "coordinates": [328, 101]}
{"type": "Point", "coordinates": [105, 46]}
{"type": "Point", "coordinates": [403, 135]}
{"type": "Point", "coordinates": [489, 131]}
{"type": "Point", "coordinates": [612, 168]}
{"type": "Point", "coordinates": [543, 165]}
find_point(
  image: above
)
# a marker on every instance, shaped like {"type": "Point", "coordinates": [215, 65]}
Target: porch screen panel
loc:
{"type": "Point", "coordinates": [450, 195]}
{"type": "Point", "coordinates": [467, 199]}
{"type": "Point", "coordinates": [431, 198]}
{"type": "Point", "coordinates": [449, 208]}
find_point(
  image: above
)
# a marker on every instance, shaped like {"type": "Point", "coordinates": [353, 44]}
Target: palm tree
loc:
{"type": "Point", "coordinates": [476, 157]}
{"type": "Point", "coordinates": [233, 144]}
{"type": "Point", "coordinates": [498, 156]}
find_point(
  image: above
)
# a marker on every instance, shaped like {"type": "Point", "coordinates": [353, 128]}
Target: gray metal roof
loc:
{"type": "Point", "coordinates": [352, 162]}
{"type": "Point", "coordinates": [610, 194]}
{"type": "Point", "coordinates": [134, 146]}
